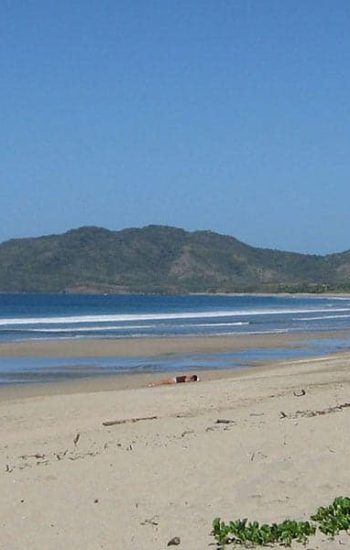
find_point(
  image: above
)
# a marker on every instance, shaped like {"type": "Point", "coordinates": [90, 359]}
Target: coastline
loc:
{"type": "Point", "coordinates": [147, 347]}
{"type": "Point", "coordinates": [212, 357]}
{"type": "Point", "coordinates": [135, 381]}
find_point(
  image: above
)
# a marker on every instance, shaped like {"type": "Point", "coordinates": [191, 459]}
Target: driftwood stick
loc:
{"type": "Point", "coordinates": [127, 420]}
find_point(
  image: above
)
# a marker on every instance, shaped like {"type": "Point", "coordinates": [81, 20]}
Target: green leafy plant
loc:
{"type": "Point", "coordinates": [329, 520]}
{"type": "Point", "coordinates": [242, 532]}
{"type": "Point", "coordinates": [334, 518]}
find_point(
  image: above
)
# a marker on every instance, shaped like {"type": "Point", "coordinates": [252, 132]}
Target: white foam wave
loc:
{"type": "Point", "coordinates": [336, 298]}
{"type": "Point", "coordinates": [130, 317]}
{"type": "Point", "coordinates": [235, 324]}
{"type": "Point", "coordinates": [250, 332]}
{"type": "Point", "coordinates": [88, 328]}
{"type": "Point", "coordinates": [321, 318]}
{"type": "Point", "coordinates": [104, 328]}
{"type": "Point", "coordinates": [136, 336]}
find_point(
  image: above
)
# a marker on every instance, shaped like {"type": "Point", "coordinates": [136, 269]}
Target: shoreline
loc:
{"type": "Point", "coordinates": [156, 347]}
{"type": "Point", "coordinates": [147, 347]}
{"type": "Point", "coordinates": [126, 381]}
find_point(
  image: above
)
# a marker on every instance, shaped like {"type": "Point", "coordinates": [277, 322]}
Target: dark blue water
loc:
{"type": "Point", "coordinates": [40, 316]}
{"type": "Point", "coordinates": [35, 316]}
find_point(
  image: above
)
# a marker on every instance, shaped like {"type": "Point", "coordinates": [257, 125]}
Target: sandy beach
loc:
{"type": "Point", "coordinates": [68, 481]}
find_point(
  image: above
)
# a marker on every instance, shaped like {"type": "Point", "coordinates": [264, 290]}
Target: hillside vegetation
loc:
{"type": "Point", "coordinates": [161, 259]}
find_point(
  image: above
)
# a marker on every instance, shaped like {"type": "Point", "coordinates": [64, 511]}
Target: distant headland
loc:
{"type": "Point", "coordinates": [162, 259]}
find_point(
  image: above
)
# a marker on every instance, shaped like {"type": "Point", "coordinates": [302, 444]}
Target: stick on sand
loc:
{"type": "Point", "coordinates": [125, 421]}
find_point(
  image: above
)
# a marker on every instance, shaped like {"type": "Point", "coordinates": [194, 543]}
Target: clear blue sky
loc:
{"type": "Point", "coordinates": [229, 115]}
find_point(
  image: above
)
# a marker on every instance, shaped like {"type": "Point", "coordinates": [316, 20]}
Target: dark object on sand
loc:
{"type": "Point", "coordinates": [300, 394]}
{"type": "Point", "coordinates": [181, 379]}
{"type": "Point", "coordinates": [310, 414]}
{"type": "Point", "coordinates": [113, 422]}
{"type": "Point", "coordinates": [175, 541]}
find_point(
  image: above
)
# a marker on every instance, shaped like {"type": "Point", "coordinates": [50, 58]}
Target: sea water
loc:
{"type": "Point", "coordinates": [49, 316]}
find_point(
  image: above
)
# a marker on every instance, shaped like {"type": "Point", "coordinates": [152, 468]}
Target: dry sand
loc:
{"type": "Point", "coordinates": [135, 485]}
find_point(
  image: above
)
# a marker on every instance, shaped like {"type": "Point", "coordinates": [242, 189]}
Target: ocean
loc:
{"type": "Point", "coordinates": [49, 316]}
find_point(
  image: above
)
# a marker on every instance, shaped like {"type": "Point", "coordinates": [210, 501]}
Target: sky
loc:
{"type": "Point", "coordinates": [226, 115]}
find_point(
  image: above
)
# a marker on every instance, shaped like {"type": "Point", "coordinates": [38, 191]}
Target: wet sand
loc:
{"type": "Point", "coordinates": [145, 347]}
{"type": "Point", "coordinates": [133, 347]}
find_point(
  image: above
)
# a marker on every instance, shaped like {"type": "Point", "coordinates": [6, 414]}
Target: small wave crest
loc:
{"type": "Point", "coordinates": [108, 328]}
{"type": "Point", "coordinates": [131, 317]}
{"type": "Point", "coordinates": [321, 318]}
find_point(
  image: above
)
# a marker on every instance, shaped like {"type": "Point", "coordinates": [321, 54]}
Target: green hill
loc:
{"type": "Point", "coordinates": [161, 259]}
